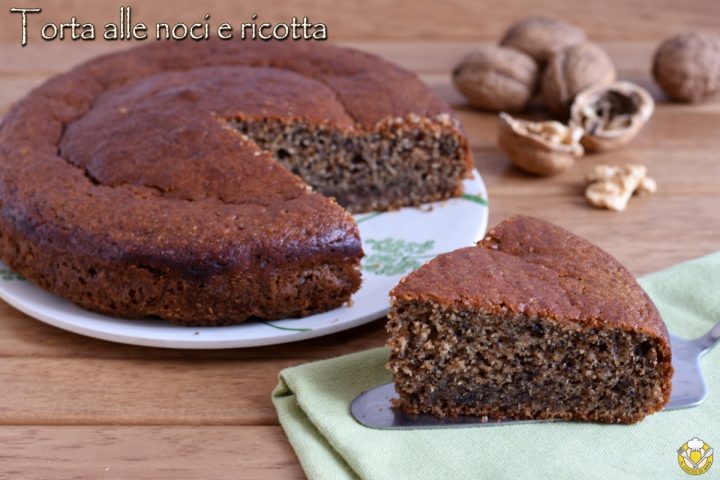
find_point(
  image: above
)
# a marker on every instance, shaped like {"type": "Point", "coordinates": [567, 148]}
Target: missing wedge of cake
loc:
{"type": "Point", "coordinates": [531, 323]}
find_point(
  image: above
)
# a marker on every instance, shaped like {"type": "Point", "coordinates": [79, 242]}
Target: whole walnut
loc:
{"type": "Point", "coordinates": [497, 78]}
{"type": "Point", "coordinates": [687, 66]}
{"type": "Point", "coordinates": [572, 70]}
{"type": "Point", "coordinates": [542, 37]}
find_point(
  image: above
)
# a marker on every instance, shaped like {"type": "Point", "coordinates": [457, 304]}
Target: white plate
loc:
{"type": "Point", "coordinates": [395, 243]}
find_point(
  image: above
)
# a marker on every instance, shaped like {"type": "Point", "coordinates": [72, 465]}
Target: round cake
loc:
{"type": "Point", "coordinates": [208, 183]}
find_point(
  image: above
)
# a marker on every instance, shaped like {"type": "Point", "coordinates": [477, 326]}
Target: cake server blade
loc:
{"type": "Point", "coordinates": [373, 409]}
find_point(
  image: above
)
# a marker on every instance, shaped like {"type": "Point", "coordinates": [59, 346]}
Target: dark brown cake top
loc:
{"type": "Point", "coordinates": [130, 156]}
{"type": "Point", "coordinates": [525, 266]}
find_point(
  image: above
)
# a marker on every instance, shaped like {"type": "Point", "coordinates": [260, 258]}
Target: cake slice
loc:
{"type": "Point", "coordinates": [532, 323]}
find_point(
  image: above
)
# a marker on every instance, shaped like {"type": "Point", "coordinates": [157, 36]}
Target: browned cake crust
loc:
{"type": "Point", "coordinates": [134, 184]}
{"type": "Point", "coordinates": [533, 322]}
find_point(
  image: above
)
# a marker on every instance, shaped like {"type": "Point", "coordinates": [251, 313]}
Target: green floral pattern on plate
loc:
{"type": "Point", "coordinates": [474, 198]}
{"type": "Point", "coordinates": [8, 275]}
{"type": "Point", "coordinates": [392, 256]}
{"type": "Point", "coordinates": [289, 329]}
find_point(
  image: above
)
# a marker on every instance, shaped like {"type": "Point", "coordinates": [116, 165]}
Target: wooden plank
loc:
{"type": "Point", "coordinates": [401, 19]}
{"type": "Point", "coordinates": [690, 173]}
{"type": "Point", "coordinates": [39, 453]}
{"type": "Point", "coordinates": [419, 56]}
{"type": "Point", "coordinates": [655, 232]}
{"type": "Point", "coordinates": [442, 56]}
{"type": "Point", "coordinates": [137, 392]}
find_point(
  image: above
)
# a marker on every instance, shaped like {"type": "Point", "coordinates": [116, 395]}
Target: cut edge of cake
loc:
{"type": "Point", "coordinates": [403, 161]}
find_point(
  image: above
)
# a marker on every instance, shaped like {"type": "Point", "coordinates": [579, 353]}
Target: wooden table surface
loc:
{"type": "Point", "coordinates": [75, 407]}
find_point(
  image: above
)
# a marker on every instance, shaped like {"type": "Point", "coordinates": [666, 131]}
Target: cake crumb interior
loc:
{"type": "Point", "coordinates": [402, 163]}
{"type": "Point", "coordinates": [453, 360]}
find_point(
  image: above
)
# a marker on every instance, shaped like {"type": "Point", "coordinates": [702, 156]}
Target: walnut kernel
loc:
{"type": "Point", "coordinates": [612, 187]}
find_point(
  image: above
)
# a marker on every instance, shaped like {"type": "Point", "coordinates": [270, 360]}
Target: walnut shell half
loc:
{"type": "Point", "coordinates": [611, 115]}
{"type": "Point", "coordinates": [542, 37]}
{"type": "Point", "coordinates": [687, 66]}
{"type": "Point", "coordinates": [497, 78]}
{"type": "Point", "coordinates": [572, 70]}
{"type": "Point", "coordinates": [542, 148]}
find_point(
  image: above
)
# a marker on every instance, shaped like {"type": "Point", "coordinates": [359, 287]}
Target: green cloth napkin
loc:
{"type": "Point", "coordinates": [313, 401]}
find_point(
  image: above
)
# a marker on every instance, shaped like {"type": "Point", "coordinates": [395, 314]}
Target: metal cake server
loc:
{"type": "Point", "coordinates": [372, 408]}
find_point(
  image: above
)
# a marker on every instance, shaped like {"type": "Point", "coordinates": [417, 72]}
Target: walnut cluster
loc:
{"type": "Point", "coordinates": [575, 80]}
{"type": "Point", "coordinates": [546, 59]}
{"type": "Point", "coordinates": [602, 117]}
{"type": "Point", "coordinates": [536, 55]}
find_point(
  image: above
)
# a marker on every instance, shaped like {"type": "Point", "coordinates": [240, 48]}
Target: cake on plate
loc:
{"type": "Point", "coordinates": [209, 183]}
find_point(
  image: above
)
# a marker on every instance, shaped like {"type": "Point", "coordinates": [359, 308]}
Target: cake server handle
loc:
{"type": "Point", "coordinates": [709, 340]}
